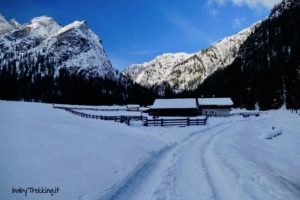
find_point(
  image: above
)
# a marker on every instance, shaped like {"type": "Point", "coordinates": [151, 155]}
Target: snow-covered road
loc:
{"type": "Point", "coordinates": [197, 168]}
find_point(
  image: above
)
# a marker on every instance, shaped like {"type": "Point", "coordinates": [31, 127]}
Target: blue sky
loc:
{"type": "Point", "coordinates": [136, 31]}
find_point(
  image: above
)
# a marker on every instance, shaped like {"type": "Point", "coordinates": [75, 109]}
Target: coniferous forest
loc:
{"type": "Point", "coordinates": [35, 80]}
{"type": "Point", "coordinates": [265, 73]}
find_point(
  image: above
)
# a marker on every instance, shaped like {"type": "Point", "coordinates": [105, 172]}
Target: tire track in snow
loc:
{"type": "Point", "coordinates": [161, 168]}
{"type": "Point", "coordinates": [223, 186]}
{"type": "Point", "coordinates": [226, 181]}
{"type": "Point", "coordinates": [122, 189]}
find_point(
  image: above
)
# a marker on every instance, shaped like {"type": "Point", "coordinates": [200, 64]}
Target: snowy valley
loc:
{"type": "Point", "coordinates": [221, 123]}
{"type": "Point", "coordinates": [229, 158]}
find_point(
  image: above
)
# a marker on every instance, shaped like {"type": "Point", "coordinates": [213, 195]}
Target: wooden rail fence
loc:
{"type": "Point", "coordinates": [174, 122]}
{"type": "Point", "coordinates": [244, 114]}
{"type": "Point", "coordinates": [121, 118]}
{"type": "Point", "coordinates": [145, 120]}
{"type": "Point", "coordinates": [94, 109]}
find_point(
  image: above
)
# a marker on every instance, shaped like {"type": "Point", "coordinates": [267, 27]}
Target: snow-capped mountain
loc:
{"type": "Point", "coordinates": [184, 71]}
{"type": "Point", "coordinates": [156, 71]}
{"type": "Point", "coordinates": [266, 70]}
{"type": "Point", "coordinates": [6, 26]}
{"type": "Point", "coordinates": [73, 46]}
{"type": "Point", "coordinates": [44, 61]}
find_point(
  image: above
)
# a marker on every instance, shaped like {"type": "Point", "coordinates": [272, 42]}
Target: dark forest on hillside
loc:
{"type": "Point", "coordinates": [266, 72]}
{"type": "Point", "coordinates": [35, 81]}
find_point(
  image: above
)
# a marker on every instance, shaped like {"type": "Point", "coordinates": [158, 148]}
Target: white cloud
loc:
{"type": "Point", "coordinates": [250, 3]}
{"type": "Point", "coordinates": [255, 3]}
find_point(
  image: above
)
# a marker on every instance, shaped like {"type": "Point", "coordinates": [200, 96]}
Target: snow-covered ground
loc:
{"type": "Point", "coordinates": [229, 158]}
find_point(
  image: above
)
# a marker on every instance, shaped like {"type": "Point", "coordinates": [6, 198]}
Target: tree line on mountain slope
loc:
{"type": "Point", "coordinates": [267, 71]}
{"type": "Point", "coordinates": [35, 80]}
{"type": "Point", "coordinates": [265, 74]}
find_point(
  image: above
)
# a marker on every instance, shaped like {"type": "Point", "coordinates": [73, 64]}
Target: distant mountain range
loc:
{"type": "Point", "coordinates": [258, 67]}
{"type": "Point", "coordinates": [184, 71]}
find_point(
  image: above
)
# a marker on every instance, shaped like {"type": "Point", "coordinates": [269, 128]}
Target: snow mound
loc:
{"type": "Point", "coordinates": [272, 134]}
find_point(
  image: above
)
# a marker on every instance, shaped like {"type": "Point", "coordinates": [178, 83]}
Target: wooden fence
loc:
{"type": "Point", "coordinates": [94, 109]}
{"type": "Point", "coordinates": [120, 118]}
{"type": "Point", "coordinates": [244, 114]}
{"type": "Point", "coordinates": [174, 122]}
{"type": "Point", "coordinates": [247, 114]}
{"type": "Point", "coordinates": [145, 120]}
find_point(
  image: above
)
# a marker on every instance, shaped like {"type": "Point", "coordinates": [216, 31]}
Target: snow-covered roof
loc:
{"type": "Point", "coordinates": [132, 105]}
{"type": "Point", "coordinates": [215, 102]}
{"type": "Point", "coordinates": [174, 103]}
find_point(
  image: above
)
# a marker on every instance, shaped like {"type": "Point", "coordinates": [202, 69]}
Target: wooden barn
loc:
{"type": "Point", "coordinates": [174, 107]}
{"type": "Point", "coordinates": [215, 106]}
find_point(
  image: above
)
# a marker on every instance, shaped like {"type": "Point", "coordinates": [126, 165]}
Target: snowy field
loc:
{"type": "Point", "coordinates": [229, 158]}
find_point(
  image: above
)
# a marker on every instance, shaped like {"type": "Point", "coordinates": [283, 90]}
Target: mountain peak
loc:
{"type": "Point", "coordinates": [74, 46]}
{"type": "Point", "coordinates": [43, 20]}
{"type": "Point", "coordinates": [14, 23]}
{"type": "Point", "coordinates": [44, 26]}
{"type": "Point", "coordinates": [73, 25]}
{"type": "Point", "coordinates": [5, 26]}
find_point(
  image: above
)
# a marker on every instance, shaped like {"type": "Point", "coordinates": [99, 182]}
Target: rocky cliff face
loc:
{"type": "Point", "coordinates": [184, 71]}
{"type": "Point", "coordinates": [74, 46]}
{"type": "Point", "coordinates": [44, 61]}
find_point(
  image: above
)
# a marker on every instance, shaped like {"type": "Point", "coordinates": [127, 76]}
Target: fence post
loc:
{"type": "Point", "coordinates": [188, 121]}
{"type": "Point", "coordinates": [162, 122]}
{"type": "Point", "coordinates": [128, 121]}
{"type": "Point", "coordinates": [146, 123]}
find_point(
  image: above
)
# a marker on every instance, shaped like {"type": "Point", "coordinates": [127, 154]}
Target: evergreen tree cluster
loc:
{"type": "Point", "coordinates": [33, 78]}
{"type": "Point", "coordinates": [267, 71]}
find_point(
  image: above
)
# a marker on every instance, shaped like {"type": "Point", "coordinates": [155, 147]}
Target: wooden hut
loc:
{"type": "Point", "coordinates": [215, 106]}
{"type": "Point", "coordinates": [174, 107]}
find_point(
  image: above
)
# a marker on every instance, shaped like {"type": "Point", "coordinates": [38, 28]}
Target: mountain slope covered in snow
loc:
{"type": "Point", "coordinates": [44, 61]}
{"type": "Point", "coordinates": [73, 46]}
{"type": "Point", "coordinates": [184, 71]}
{"type": "Point", "coordinates": [6, 26]}
{"type": "Point", "coordinates": [266, 71]}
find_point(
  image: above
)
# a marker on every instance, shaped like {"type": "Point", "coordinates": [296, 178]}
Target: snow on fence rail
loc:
{"type": "Point", "coordinates": [246, 114]}
{"type": "Point", "coordinates": [93, 109]}
{"type": "Point", "coordinates": [145, 120]}
{"type": "Point", "coordinates": [174, 122]}
{"type": "Point", "coordinates": [120, 118]}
